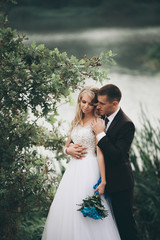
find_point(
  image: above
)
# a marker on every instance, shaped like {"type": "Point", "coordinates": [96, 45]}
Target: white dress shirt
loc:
{"type": "Point", "coordinates": [110, 118]}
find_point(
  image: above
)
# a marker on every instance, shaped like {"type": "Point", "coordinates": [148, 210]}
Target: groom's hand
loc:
{"type": "Point", "coordinates": [76, 151]}
{"type": "Point", "coordinates": [98, 126]}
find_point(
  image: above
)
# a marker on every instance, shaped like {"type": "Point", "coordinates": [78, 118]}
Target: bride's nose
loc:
{"type": "Point", "coordinates": [86, 105]}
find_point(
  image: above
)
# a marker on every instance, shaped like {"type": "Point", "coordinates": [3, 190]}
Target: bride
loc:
{"type": "Point", "coordinates": [64, 222]}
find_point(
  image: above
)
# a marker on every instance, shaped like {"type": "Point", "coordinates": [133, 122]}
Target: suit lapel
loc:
{"type": "Point", "coordinates": [115, 120]}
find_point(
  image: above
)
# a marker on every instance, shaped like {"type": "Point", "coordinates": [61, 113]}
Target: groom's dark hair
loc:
{"type": "Point", "coordinates": [111, 91]}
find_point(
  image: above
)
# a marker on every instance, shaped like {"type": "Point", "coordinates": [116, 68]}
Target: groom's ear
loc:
{"type": "Point", "coordinates": [115, 103]}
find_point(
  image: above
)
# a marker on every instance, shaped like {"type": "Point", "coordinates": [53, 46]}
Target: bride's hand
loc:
{"type": "Point", "coordinates": [101, 188]}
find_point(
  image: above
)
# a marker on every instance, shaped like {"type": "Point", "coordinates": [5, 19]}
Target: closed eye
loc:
{"type": "Point", "coordinates": [101, 103]}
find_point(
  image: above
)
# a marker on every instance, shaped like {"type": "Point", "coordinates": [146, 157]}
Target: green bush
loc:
{"type": "Point", "coordinates": [152, 58]}
{"type": "Point", "coordinates": [146, 161]}
{"type": "Point", "coordinates": [33, 81]}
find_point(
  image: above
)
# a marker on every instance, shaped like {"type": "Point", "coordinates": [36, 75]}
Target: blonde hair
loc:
{"type": "Point", "coordinates": [92, 93]}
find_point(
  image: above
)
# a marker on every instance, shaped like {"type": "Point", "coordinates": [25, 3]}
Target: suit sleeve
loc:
{"type": "Point", "coordinates": [118, 151]}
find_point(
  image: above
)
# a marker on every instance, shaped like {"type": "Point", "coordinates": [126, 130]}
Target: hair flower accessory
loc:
{"type": "Point", "coordinates": [92, 206]}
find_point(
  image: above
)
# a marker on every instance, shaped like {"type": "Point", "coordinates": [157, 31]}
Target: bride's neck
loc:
{"type": "Point", "coordinates": [87, 117]}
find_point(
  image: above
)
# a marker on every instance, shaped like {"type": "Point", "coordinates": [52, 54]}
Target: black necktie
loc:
{"type": "Point", "coordinates": [106, 121]}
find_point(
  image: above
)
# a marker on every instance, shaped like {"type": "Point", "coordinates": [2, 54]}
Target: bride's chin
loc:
{"type": "Point", "coordinates": [84, 111]}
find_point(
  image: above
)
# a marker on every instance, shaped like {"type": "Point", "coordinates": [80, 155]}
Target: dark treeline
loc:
{"type": "Point", "coordinates": [74, 14]}
{"type": "Point", "coordinates": [87, 3]}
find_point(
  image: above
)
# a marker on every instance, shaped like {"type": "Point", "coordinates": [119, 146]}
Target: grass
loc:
{"type": "Point", "coordinates": [146, 151]}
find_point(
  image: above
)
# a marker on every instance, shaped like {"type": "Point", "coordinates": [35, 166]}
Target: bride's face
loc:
{"type": "Point", "coordinates": [86, 104]}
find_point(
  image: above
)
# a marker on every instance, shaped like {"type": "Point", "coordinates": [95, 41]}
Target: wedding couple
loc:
{"type": "Point", "coordinates": [99, 147]}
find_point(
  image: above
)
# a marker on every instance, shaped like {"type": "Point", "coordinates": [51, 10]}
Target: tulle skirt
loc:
{"type": "Point", "coordinates": [64, 222]}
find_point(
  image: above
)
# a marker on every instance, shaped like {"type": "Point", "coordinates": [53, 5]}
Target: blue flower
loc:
{"type": "Point", "coordinates": [90, 212]}
{"type": "Point", "coordinates": [96, 185]}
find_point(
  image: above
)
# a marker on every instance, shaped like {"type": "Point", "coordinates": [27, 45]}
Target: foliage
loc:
{"type": "Point", "coordinates": [6, 3]}
{"type": "Point", "coordinates": [32, 225]}
{"type": "Point", "coordinates": [4, 6]}
{"type": "Point", "coordinates": [152, 58]}
{"type": "Point", "coordinates": [33, 81]}
{"type": "Point", "coordinates": [146, 160]}
{"type": "Point", "coordinates": [91, 3]}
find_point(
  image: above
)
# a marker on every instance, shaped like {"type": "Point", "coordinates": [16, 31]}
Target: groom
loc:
{"type": "Point", "coordinates": [115, 142]}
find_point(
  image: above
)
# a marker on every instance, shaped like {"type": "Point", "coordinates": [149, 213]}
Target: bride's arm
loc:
{"type": "Point", "coordinates": [68, 141]}
{"type": "Point", "coordinates": [65, 148]}
{"type": "Point", "coordinates": [101, 163]}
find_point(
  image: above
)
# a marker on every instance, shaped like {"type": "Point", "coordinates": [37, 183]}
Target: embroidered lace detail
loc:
{"type": "Point", "coordinates": [86, 137]}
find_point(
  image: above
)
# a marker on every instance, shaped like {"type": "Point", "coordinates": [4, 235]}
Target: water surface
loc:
{"type": "Point", "coordinates": [138, 87]}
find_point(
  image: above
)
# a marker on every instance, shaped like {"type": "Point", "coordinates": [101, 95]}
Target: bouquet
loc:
{"type": "Point", "coordinates": [92, 206]}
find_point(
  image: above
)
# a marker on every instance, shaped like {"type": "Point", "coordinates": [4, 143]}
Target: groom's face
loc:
{"type": "Point", "coordinates": [106, 107]}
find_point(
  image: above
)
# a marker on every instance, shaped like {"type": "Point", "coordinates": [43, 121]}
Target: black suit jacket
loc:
{"type": "Point", "coordinates": [115, 147]}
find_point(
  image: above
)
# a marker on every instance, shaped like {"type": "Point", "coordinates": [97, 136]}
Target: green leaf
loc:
{"type": "Point", "coordinates": [56, 51]}
{"type": "Point", "coordinates": [41, 47]}
{"type": "Point", "coordinates": [33, 45]}
{"type": "Point", "coordinates": [71, 100]}
{"type": "Point", "coordinates": [82, 61]}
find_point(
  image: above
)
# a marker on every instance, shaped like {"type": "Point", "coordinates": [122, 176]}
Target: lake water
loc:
{"type": "Point", "coordinates": [137, 86]}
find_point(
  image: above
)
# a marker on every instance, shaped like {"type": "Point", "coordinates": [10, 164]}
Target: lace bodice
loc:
{"type": "Point", "coordinates": [86, 137]}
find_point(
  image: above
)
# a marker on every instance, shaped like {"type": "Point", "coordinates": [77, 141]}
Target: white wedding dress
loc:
{"type": "Point", "coordinates": [64, 222]}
